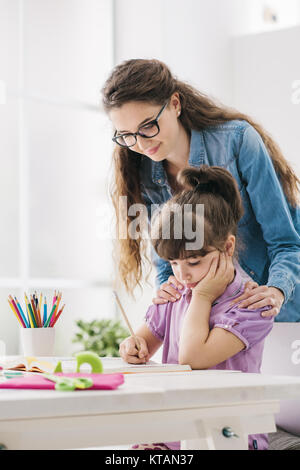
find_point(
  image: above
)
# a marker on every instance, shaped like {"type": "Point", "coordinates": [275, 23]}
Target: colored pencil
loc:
{"type": "Point", "coordinates": [45, 310]}
{"type": "Point", "coordinates": [54, 298]}
{"type": "Point", "coordinates": [58, 315]}
{"type": "Point", "coordinates": [17, 311]}
{"type": "Point", "coordinates": [50, 316]}
{"type": "Point", "coordinates": [22, 313]}
{"type": "Point", "coordinates": [33, 316]}
{"type": "Point", "coordinates": [28, 312]}
{"type": "Point", "coordinates": [13, 309]}
{"type": "Point", "coordinates": [31, 312]}
{"type": "Point", "coordinates": [38, 309]}
{"type": "Point", "coordinates": [137, 343]}
{"type": "Point", "coordinates": [36, 302]}
{"type": "Point", "coordinates": [40, 306]}
{"type": "Point", "coordinates": [56, 309]}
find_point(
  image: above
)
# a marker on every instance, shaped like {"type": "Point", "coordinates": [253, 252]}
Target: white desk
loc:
{"type": "Point", "coordinates": [192, 407]}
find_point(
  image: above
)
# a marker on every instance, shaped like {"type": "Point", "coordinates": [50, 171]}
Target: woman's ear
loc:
{"type": "Point", "coordinates": [175, 103]}
{"type": "Point", "coordinates": [230, 245]}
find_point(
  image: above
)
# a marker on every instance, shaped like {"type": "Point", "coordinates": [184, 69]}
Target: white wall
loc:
{"type": "Point", "coordinates": [265, 69]}
{"type": "Point", "coordinates": [192, 37]}
{"type": "Point", "coordinates": [55, 152]}
{"type": "Point", "coordinates": [248, 15]}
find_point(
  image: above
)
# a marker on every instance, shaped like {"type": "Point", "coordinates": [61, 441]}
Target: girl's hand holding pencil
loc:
{"type": "Point", "coordinates": [36, 313]}
{"type": "Point", "coordinates": [129, 352]}
{"type": "Point", "coordinates": [133, 349]}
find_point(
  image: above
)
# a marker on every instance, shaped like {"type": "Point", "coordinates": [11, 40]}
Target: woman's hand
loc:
{"type": "Point", "coordinates": [262, 296]}
{"type": "Point", "coordinates": [220, 274]}
{"type": "Point", "coordinates": [129, 353]}
{"type": "Point", "coordinates": [167, 292]}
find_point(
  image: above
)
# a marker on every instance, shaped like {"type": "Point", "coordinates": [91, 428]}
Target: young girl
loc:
{"type": "Point", "coordinates": [162, 125]}
{"type": "Point", "coordinates": [203, 328]}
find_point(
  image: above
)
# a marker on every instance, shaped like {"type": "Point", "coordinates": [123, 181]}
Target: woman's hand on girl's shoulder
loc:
{"type": "Point", "coordinates": [168, 291]}
{"type": "Point", "coordinates": [256, 296]}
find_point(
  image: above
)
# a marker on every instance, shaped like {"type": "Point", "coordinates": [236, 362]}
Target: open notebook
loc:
{"type": "Point", "coordinates": [110, 365]}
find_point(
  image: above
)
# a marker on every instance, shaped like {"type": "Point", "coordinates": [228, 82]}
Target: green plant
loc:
{"type": "Point", "coordinates": [101, 336]}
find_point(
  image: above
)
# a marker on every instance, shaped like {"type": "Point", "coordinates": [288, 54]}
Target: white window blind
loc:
{"type": "Point", "coordinates": [55, 152]}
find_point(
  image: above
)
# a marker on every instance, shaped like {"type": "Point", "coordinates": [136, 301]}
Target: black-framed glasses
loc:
{"type": "Point", "coordinates": [148, 130]}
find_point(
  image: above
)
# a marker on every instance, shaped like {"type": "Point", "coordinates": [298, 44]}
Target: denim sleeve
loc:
{"type": "Point", "coordinates": [271, 211]}
{"type": "Point", "coordinates": [163, 267]}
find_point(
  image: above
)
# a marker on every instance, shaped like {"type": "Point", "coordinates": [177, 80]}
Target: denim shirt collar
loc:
{"type": "Point", "coordinates": [196, 158]}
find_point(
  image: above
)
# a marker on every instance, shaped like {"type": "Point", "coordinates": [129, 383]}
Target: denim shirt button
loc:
{"type": "Point", "coordinates": [159, 181]}
{"type": "Point", "coordinates": [252, 273]}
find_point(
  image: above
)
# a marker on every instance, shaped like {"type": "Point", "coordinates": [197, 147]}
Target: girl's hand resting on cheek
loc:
{"type": "Point", "coordinates": [214, 283]}
{"type": "Point", "coordinates": [129, 353]}
{"type": "Point", "coordinates": [167, 292]}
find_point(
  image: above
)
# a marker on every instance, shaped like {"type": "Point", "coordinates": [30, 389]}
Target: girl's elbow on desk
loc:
{"type": "Point", "coordinates": [192, 364]}
{"type": "Point", "coordinates": [191, 359]}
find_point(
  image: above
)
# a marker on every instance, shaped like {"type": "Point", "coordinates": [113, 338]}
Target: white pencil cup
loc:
{"type": "Point", "coordinates": [37, 341]}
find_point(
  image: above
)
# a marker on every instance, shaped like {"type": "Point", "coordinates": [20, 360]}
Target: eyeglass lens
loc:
{"type": "Point", "coordinates": [149, 130]}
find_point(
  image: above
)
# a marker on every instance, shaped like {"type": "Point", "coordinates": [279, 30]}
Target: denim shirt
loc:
{"type": "Point", "coordinates": [269, 228]}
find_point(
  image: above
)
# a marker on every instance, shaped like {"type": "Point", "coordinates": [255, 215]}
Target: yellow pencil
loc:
{"type": "Point", "coordinates": [29, 313]}
{"type": "Point", "coordinates": [40, 304]}
{"type": "Point", "coordinates": [11, 306]}
{"type": "Point", "coordinates": [137, 343]}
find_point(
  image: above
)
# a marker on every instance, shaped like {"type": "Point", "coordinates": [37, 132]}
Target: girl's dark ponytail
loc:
{"type": "Point", "coordinates": [215, 189]}
{"type": "Point", "coordinates": [213, 180]}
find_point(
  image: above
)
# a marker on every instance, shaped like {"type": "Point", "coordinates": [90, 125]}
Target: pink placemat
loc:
{"type": "Point", "coordinates": [100, 381]}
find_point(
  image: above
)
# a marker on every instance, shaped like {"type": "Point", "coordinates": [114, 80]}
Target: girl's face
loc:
{"type": "Point", "coordinates": [190, 271]}
{"type": "Point", "coordinates": [132, 115]}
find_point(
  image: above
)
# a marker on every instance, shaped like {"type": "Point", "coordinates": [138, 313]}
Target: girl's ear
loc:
{"type": "Point", "coordinates": [230, 245]}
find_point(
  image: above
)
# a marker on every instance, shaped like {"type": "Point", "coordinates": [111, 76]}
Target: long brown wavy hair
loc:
{"type": "Point", "coordinates": [151, 81]}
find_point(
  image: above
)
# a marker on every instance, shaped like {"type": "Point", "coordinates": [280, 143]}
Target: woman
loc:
{"type": "Point", "coordinates": [162, 125]}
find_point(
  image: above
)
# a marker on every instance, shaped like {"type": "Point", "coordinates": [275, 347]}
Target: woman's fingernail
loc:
{"type": "Point", "coordinates": [177, 296]}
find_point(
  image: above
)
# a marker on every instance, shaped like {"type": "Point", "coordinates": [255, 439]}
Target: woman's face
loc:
{"type": "Point", "coordinates": [132, 115]}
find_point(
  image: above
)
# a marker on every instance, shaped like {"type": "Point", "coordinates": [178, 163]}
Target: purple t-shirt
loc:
{"type": "Point", "coordinates": [165, 322]}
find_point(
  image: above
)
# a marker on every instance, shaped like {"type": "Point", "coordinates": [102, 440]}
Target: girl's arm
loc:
{"type": "Point", "coordinates": [198, 346]}
{"type": "Point", "coordinates": [153, 343]}
{"type": "Point", "coordinates": [149, 345]}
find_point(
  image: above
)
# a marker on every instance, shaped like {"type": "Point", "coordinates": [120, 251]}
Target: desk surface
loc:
{"type": "Point", "coordinates": [149, 392]}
